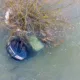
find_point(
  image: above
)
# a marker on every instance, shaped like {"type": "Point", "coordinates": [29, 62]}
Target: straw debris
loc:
{"type": "Point", "coordinates": [30, 16]}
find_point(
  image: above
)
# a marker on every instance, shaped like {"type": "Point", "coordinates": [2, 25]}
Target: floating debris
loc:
{"type": "Point", "coordinates": [35, 43]}
{"type": "Point", "coordinates": [30, 16]}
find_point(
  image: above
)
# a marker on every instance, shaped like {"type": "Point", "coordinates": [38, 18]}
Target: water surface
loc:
{"type": "Point", "coordinates": [61, 63]}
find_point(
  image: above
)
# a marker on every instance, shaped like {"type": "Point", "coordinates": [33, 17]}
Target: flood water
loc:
{"type": "Point", "coordinates": [60, 63]}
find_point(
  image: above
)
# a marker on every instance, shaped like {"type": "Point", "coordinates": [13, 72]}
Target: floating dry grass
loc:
{"type": "Point", "coordinates": [29, 15]}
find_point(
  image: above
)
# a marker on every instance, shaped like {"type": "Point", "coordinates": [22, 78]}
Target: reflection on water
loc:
{"type": "Point", "coordinates": [61, 63]}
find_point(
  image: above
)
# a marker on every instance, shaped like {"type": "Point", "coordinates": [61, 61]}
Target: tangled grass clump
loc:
{"type": "Point", "coordinates": [29, 15]}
